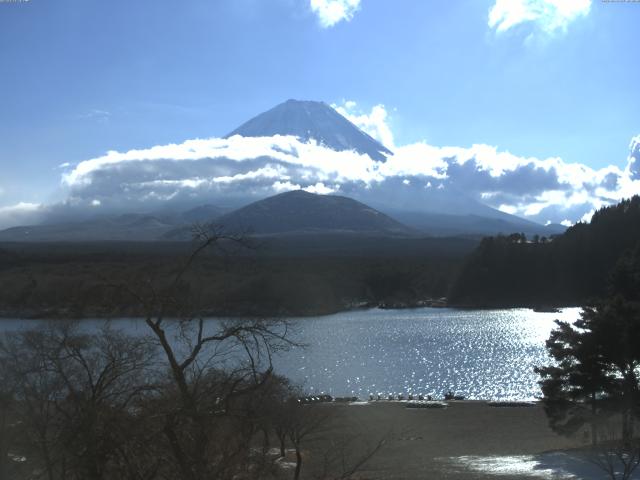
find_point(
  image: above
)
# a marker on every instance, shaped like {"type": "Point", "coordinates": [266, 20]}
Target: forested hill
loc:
{"type": "Point", "coordinates": [567, 270]}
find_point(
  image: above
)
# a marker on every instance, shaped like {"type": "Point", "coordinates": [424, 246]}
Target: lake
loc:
{"type": "Point", "coordinates": [481, 354]}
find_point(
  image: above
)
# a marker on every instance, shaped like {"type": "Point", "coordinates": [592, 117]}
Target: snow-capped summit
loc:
{"type": "Point", "coordinates": [312, 120]}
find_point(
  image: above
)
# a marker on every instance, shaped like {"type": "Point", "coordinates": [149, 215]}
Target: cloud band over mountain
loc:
{"type": "Point", "coordinates": [241, 168]}
{"type": "Point", "coordinates": [236, 170]}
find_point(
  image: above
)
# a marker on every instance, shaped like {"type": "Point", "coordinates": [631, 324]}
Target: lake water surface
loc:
{"type": "Point", "coordinates": [481, 354]}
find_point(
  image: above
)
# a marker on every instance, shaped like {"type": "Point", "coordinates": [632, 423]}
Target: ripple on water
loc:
{"type": "Point", "coordinates": [482, 354]}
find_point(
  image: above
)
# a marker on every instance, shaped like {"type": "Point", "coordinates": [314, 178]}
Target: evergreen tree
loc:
{"type": "Point", "coordinates": [597, 358]}
{"type": "Point", "coordinates": [568, 270]}
{"type": "Point", "coordinates": [575, 388]}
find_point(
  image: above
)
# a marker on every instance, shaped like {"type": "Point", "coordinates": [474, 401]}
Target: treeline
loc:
{"type": "Point", "coordinates": [76, 280]}
{"type": "Point", "coordinates": [568, 269]}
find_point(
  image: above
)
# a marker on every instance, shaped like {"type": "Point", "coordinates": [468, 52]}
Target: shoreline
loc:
{"type": "Point", "coordinates": [458, 442]}
{"type": "Point", "coordinates": [68, 314]}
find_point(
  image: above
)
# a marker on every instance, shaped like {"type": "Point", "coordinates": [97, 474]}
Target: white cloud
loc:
{"type": "Point", "coordinates": [633, 164]}
{"type": "Point", "coordinates": [284, 151]}
{"type": "Point", "coordinates": [508, 209]}
{"type": "Point", "coordinates": [375, 123]}
{"type": "Point", "coordinates": [319, 188]}
{"type": "Point", "coordinates": [416, 159]}
{"type": "Point", "coordinates": [20, 208]}
{"type": "Point", "coordinates": [215, 169]}
{"type": "Point", "coordinates": [330, 12]}
{"type": "Point", "coordinates": [239, 169]}
{"type": "Point", "coordinates": [548, 15]}
{"type": "Point", "coordinates": [20, 214]}
{"type": "Point", "coordinates": [587, 216]}
{"type": "Point", "coordinates": [281, 187]}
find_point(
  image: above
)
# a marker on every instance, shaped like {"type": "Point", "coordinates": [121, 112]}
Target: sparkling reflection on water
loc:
{"type": "Point", "coordinates": [481, 354]}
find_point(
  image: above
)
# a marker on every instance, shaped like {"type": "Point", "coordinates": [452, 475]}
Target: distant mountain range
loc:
{"type": "Point", "coordinates": [448, 225]}
{"type": "Point", "coordinates": [296, 212]}
{"type": "Point", "coordinates": [440, 212]}
{"type": "Point", "coordinates": [127, 227]}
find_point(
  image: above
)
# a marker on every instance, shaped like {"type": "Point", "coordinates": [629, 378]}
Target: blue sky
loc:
{"type": "Point", "coordinates": [535, 78]}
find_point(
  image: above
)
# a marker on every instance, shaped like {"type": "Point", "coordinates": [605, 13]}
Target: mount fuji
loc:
{"type": "Point", "coordinates": [317, 121]}
{"type": "Point", "coordinates": [404, 211]}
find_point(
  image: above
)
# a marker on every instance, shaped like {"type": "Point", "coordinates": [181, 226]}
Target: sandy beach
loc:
{"type": "Point", "coordinates": [467, 440]}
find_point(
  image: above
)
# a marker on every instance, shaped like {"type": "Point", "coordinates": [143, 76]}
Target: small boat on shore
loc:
{"type": "Point", "coordinates": [452, 396]}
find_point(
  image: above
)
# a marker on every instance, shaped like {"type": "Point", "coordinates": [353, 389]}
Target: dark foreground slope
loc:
{"type": "Point", "coordinates": [571, 269]}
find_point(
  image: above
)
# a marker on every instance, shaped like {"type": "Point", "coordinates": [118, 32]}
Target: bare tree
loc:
{"type": "Point", "coordinates": [215, 367]}
{"type": "Point", "coordinates": [75, 395]}
{"type": "Point", "coordinates": [303, 421]}
{"type": "Point", "coordinates": [318, 429]}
